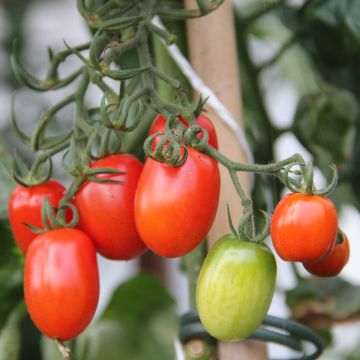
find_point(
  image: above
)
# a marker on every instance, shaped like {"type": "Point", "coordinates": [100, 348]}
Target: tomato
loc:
{"type": "Point", "coordinates": [25, 208]}
{"type": "Point", "coordinates": [203, 121]}
{"type": "Point", "coordinates": [333, 263]}
{"type": "Point", "coordinates": [235, 288]}
{"type": "Point", "coordinates": [61, 282]}
{"type": "Point", "coordinates": [175, 207]}
{"type": "Point", "coordinates": [304, 227]}
{"type": "Point", "coordinates": [106, 210]}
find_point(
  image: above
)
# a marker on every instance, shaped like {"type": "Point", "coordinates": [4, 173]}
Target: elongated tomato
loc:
{"type": "Point", "coordinates": [25, 208]}
{"type": "Point", "coordinates": [175, 207]}
{"type": "Point", "coordinates": [61, 282]}
{"type": "Point", "coordinates": [106, 210]}
{"type": "Point", "coordinates": [235, 288]}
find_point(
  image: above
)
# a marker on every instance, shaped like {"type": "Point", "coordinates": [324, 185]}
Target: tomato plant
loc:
{"type": "Point", "coordinates": [61, 282]}
{"type": "Point", "coordinates": [304, 227]}
{"type": "Point", "coordinates": [175, 207]}
{"type": "Point", "coordinates": [106, 210]}
{"type": "Point", "coordinates": [334, 262]}
{"type": "Point", "coordinates": [235, 287]}
{"type": "Point", "coordinates": [159, 124]}
{"type": "Point", "coordinates": [25, 208]}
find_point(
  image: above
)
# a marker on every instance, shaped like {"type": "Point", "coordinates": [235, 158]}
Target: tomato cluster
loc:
{"type": "Point", "coordinates": [167, 209]}
{"type": "Point", "coordinates": [304, 228]}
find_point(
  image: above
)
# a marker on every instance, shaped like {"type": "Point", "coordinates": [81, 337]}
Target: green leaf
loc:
{"type": "Point", "coordinates": [7, 183]}
{"type": "Point", "coordinates": [325, 124]}
{"type": "Point", "coordinates": [320, 302]}
{"type": "Point", "coordinates": [10, 335]}
{"type": "Point", "coordinates": [138, 324]}
{"type": "Point", "coordinates": [137, 299]}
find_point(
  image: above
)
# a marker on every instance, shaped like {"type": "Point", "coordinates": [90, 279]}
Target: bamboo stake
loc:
{"type": "Point", "coordinates": [213, 53]}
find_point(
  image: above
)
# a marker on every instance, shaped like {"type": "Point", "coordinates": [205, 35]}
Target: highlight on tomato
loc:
{"type": "Point", "coordinates": [333, 263]}
{"type": "Point", "coordinates": [159, 124]}
{"type": "Point", "coordinates": [24, 207]}
{"type": "Point", "coordinates": [176, 206]}
{"type": "Point", "coordinates": [61, 282]}
{"type": "Point", "coordinates": [235, 287]}
{"type": "Point", "coordinates": [106, 210]}
{"type": "Point", "coordinates": [304, 227]}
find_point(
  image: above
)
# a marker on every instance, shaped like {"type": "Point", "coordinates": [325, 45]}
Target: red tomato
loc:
{"type": "Point", "coordinates": [106, 210]}
{"type": "Point", "coordinates": [304, 227]}
{"type": "Point", "coordinates": [175, 207]}
{"type": "Point", "coordinates": [25, 208]}
{"type": "Point", "coordinates": [61, 282]}
{"type": "Point", "coordinates": [332, 264]}
{"type": "Point", "coordinates": [203, 121]}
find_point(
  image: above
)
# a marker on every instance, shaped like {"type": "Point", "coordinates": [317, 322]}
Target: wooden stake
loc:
{"type": "Point", "coordinates": [213, 54]}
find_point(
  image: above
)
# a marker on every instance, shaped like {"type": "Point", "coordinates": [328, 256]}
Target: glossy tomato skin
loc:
{"type": "Point", "coordinates": [202, 120]}
{"type": "Point", "coordinates": [106, 210]}
{"type": "Point", "coordinates": [235, 288]}
{"type": "Point", "coordinates": [333, 263]}
{"type": "Point", "coordinates": [175, 207]}
{"type": "Point", "coordinates": [61, 282]}
{"type": "Point", "coordinates": [25, 207]}
{"type": "Point", "coordinates": [304, 227]}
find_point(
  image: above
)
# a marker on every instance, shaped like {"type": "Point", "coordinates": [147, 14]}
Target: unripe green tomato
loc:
{"type": "Point", "coordinates": [235, 288]}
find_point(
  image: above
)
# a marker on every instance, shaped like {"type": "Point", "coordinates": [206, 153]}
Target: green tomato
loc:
{"type": "Point", "coordinates": [235, 288]}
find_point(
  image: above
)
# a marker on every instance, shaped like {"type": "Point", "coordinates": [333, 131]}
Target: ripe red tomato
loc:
{"type": "Point", "coordinates": [25, 208]}
{"type": "Point", "coordinates": [61, 282]}
{"type": "Point", "coordinates": [203, 121]}
{"type": "Point", "coordinates": [304, 227]}
{"type": "Point", "coordinates": [175, 207]}
{"type": "Point", "coordinates": [106, 210]}
{"type": "Point", "coordinates": [333, 263]}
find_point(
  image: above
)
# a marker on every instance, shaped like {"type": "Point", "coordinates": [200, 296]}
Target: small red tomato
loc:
{"type": "Point", "coordinates": [304, 227]}
{"type": "Point", "coordinates": [203, 121]}
{"type": "Point", "coordinates": [333, 263]}
{"type": "Point", "coordinates": [25, 208]}
{"type": "Point", "coordinates": [106, 210]}
{"type": "Point", "coordinates": [175, 207]}
{"type": "Point", "coordinates": [61, 282]}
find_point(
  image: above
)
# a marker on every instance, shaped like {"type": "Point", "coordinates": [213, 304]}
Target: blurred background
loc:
{"type": "Point", "coordinates": [309, 104]}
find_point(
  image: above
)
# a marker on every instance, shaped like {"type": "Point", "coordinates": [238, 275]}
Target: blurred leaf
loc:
{"type": "Point", "coordinates": [320, 302]}
{"type": "Point", "coordinates": [138, 324]}
{"type": "Point", "coordinates": [325, 125]}
{"type": "Point", "coordinates": [7, 183]}
{"type": "Point", "coordinates": [137, 299]}
{"type": "Point", "coordinates": [10, 335]}
{"type": "Point", "coordinates": [11, 291]}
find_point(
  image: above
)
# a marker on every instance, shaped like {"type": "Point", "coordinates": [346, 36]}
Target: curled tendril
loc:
{"type": "Point", "coordinates": [103, 141]}
{"type": "Point", "coordinates": [121, 117]}
{"type": "Point", "coordinates": [22, 136]}
{"type": "Point", "coordinates": [196, 137]}
{"type": "Point", "coordinates": [264, 233]}
{"type": "Point", "coordinates": [331, 186]}
{"type": "Point", "coordinates": [293, 185]}
{"type": "Point", "coordinates": [167, 149]}
{"type": "Point", "coordinates": [306, 185]}
{"type": "Point", "coordinates": [61, 218]}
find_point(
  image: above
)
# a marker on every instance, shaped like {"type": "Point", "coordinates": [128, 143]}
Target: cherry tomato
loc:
{"type": "Point", "coordinates": [106, 210]}
{"type": "Point", "coordinates": [25, 208]}
{"type": "Point", "coordinates": [61, 282]}
{"type": "Point", "coordinates": [333, 263]}
{"type": "Point", "coordinates": [175, 207]}
{"type": "Point", "coordinates": [235, 288]}
{"type": "Point", "coordinates": [304, 227]}
{"type": "Point", "coordinates": [203, 121]}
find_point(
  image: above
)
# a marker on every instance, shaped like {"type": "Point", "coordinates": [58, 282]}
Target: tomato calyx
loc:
{"type": "Point", "coordinates": [305, 184]}
{"type": "Point", "coordinates": [246, 229]}
{"type": "Point", "coordinates": [166, 148]}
